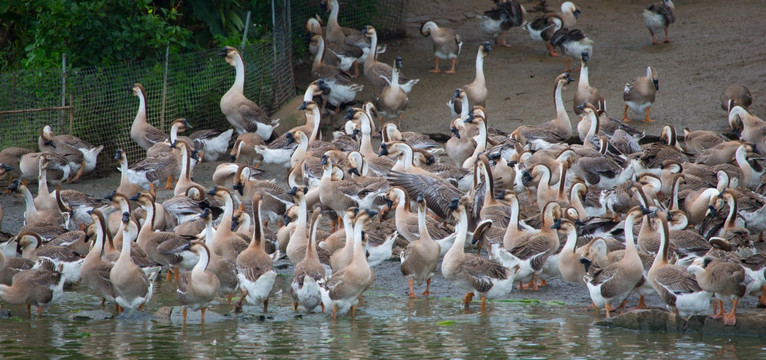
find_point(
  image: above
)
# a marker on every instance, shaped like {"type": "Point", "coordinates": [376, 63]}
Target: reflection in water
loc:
{"type": "Point", "coordinates": [384, 327]}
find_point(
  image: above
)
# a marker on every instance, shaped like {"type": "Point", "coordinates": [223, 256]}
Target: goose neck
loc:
{"type": "Point", "coordinates": [202, 263]}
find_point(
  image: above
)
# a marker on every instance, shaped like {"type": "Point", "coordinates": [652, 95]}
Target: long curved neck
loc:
{"type": "Point", "coordinates": [408, 156]}
{"type": "Point", "coordinates": [365, 146]}
{"type": "Point", "coordinates": [300, 224]}
{"type": "Point", "coordinates": [257, 241]}
{"type": "Point", "coordinates": [318, 61]}
{"type": "Point", "coordinates": [395, 80]}
{"type": "Point", "coordinates": [204, 260]}
{"type": "Point", "coordinates": [29, 201]}
{"type": "Point", "coordinates": [576, 202]}
{"type": "Point", "coordinates": [359, 251]}
{"type": "Point", "coordinates": [348, 228]}
{"type": "Point", "coordinates": [489, 185]}
{"type": "Point", "coordinates": [372, 57]}
{"type": "Point", "coordinates": [402, 209]}
{"type": "Point", "coordinates": [561, 186]}
{"type": "Point", "coordinates": [583, 82]}
{"type": "Point", "coordinates": [124, 180]}
{"type": "Point", "coordinates": [731, 217]}
{"type": "Point", "coordinates": [674, 196]}
{"type": "Point", "coordinates": [315, 125]}
{"type": "Point", "coordinates": [479, 67]}
{"type": "Point", "coordinates": [239, 80]}
{"type": "Point", "coordinates": [185, 173]}
{"type": "Point", "coordinates": [481, 138]}
{"type": "Point", "coordinates": [460, 234]}
{"type": "Point", "coordinates": [228, 212]}
{"type": "Point", "coordinates": [561, 112]}
{"type": "Point", "coordinates": [594, 124]}
{"type": "Point", "coordinates": [422, 228]}
{"type": "Point", "coordinates": [332, 22]}
{"type": "Point", "coordinates": [148, 225]}
{"type": "Point", "coordinates": [630, 244]}
{"type": "Point", "coordinates": [141, 115]}
{"type": "Point", "coordinates": [571, 241]}
{"type": "Point", "coordinates": [209, 235]}
{"type": "Point", "coordinates": [125, 251]}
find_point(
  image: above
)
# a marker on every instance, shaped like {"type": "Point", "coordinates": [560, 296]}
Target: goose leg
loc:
{"type": "Point", "coordinates": [717, 309]}
{"type": "Point", "coordinates": [334, 310]}
{"type": "Point", "coordinates": [428, 288]}
{"type": "Point", "coordinates": [762, 298]}
{"type": "Point", "coordinates": [238, 306]}
{"type": "Point", "coordinates": [103, 300]}
{"type": "Point", "coordinates": [321, 304]}
{"type": "Point", "coordinates": [467, 300]}
{"type": "Point", "coordinates": [483, 304]}
{"type": "Point", "coordinates": [265, 305]}
{"type": "Point", "coordinates": [729, 319]}
{"type": "Point", "coordinates": [79, 172]}
{"type": "Point", "coordinates": [412, 293]}
{"type": "Point", "coordinates": [176, 270]}
{"type": "Point", "coordinates": [436, 69]}
{"type": "Point", "coordinates": [625, 117]}
{"type": "Point", "coordinates": [29, 311]}
{"type": "Point", "coordinates": [647, 119]}
{"type": "Point", "coordinates": [141, 307]}
{"type": "Point", "coordinates": [641, 303]}
{"type": "Point", "coordinates": [169, 184]}
{"type": "Point", "coordinates": [183, 314]}
{"type": "Point", "coordinates": [654, 41]}
{"type": "Point", "coordinates": [228, 298]}
{"type": "Point", "coordinates": [353, 311]}
{"type": "Point", "coordinates": [40, 311]}
{"type": "Point", "coordinates": [569, 66]}
{"type": "Point", "coordinates": [500, 40]}
{"type": "Point", "coordinates": [170, 275]}
{"type": "Point", "coordinates": [550, 50]}
{"type": "Point", "coordinates": [356, 68]}
{"type": "Point", "coordinates": [608, 310]}
{"type": "Point", "coordinates": [452, 71]}
{"type": "Point", "coordinates": [202, 320]}
{"type": "Point", "coordinates": [543, 283]}
{"type": "Point", "coordinates": [667, 39]}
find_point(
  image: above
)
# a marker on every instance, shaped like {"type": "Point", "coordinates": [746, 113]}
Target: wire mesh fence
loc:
{"type": "Point", "coordinates": [104, 107]}
{"type": "Point", "coordinates": [387, 16]}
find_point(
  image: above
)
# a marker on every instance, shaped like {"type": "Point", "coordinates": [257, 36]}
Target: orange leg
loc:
{"type": "Point", "coordinates": [608, 310]}
{"type": "Point", "coordinates": [436, 69]}
{"type": "Point", "coordinates": [141, 308]}
{"type": "Point", "coordinates": [169, 185]}
{"type": "Point", "coordinates": [667, 39]}
{"type": "Point", "coordinates": [622, 306]}
{"type": "Point", "coordinates": [478, 247]}
{"type": "Point", "coordinates": [532, 284]}
{"type": "Point", "coordinates": [183, 314]}
{"type": "Point", "coordinates": [483, 304]}
{"type": "Point", "coordinates": [356, 69]}
{"type": "Point", "coordinates": [103, 300]}
{"type": "Point", "coordinates": [353, 311]}
{"type": "Point", "coordinates": [176, 271]}
{"type": "Point", "coordinates": [569, 66]}
{"type": "Point", "coordinates": [467, 300]}
{"type": "Point", "coordinates": [550, 50]}
{"type": "Point", "coordinates": [762, 298]}
{"type": "Point", "coordinates": [730, 319]}
{"type": "Point", "coordinates": [202, 320]}
{"type": "Point", "coordinates": [400, 122]}
{"type": "Point", "coordinates": [654, 40]}
{"type": "Point", "coordinates": [29, 311]}
{"type": "Point", "coordinates": [543, 283]}
{"type": "Point", "coordinates": [501, 40]}
{"type": "Point", "coordinates": [428, 288]}
{"type": "Point", "coordinates": [717, 309]}
{"type": "Point", "coordinates": [412, 293]}
{"type": "Point", "coordinates": [452, 71]}
{"type": "Point", "coordinates": [334, 310]}
{"type": "Point", "coordinates": [117, 308]}
{"type": "Point", "coordinates": [265, 305]}
{"type": "Point", "coordinates": [170, 275]}
{"type": "Point", "coordinates": [238, 305]}
{"type": "Point", "coordinates": [641, 303]}
{"type": "Point", "coordinates": [40, 312]}
{"type": "Point", "coordinates": [625, 117]}
{"type": "Point", "coordinates": [79, 173]}
{"type": "Point", "coordinates": [647, 119]}
{"type": "Point", "coordinates": [228, 299]}
{"type": "Point", "coordinates": [321, 304]}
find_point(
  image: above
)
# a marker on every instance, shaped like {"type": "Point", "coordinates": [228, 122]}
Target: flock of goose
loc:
{"type": "Point", "coordinates": [677, 219]}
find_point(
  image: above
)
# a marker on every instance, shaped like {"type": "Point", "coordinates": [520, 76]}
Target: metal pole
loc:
{"type": "Point", "coordinates": [244, 35]}
{"type": "Point", "coordinates": [164, 88]}
{"type": "Point", "coordinates": [71, 114]}
{"type": "Point", "coordinates": [274, 50]}
{"type": "Point", "coordinates": [63, 88]}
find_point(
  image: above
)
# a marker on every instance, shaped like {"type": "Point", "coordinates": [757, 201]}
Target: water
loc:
{"type": "Point", "coordinates": [386, 326]}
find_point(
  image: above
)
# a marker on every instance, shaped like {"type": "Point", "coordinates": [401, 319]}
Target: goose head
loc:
{"type": "Point", "coordinates": [396, 195]}
{"type": "Point", "coordinates": [368, 31]}
{"type": "Point", "coordinates": [46, 133]}
{"type": "Point", "coordinates": [27, 241]}
{"type": "Point", "coordinates": [298, 193]}
{"type": "Point", "coordinates": [570, 8]}
{"type": "Point", "coordinates": [17, 188]}
{"type": "Point", "coordinates": [138, 90]}
{"type": "Point", "coordinates": [231, 55]}
{"type": "Point", "coordinates": [563, 79]}
{"type": "Point", "coordinates": [668, 135]}
{"type": "Point", "coordinates": [652, 74]}
{"type": "Point", "coordinates": [313, 26]}
{"type": "Point", "coordinates": [485, 48]}
{"type": "Point", "coordinates": [355, 161]}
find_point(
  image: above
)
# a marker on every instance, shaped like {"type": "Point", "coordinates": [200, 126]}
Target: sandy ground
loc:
{"type": "Point", "coordinates": [714, 44]}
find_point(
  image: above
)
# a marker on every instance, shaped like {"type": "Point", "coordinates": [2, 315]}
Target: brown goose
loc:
{"type": "Point", "coordinates": [144, 134]}
{"type": "Point", "coordinates": [420, 257]}
{"type": "Point", "coordinates": [95, 271]}
{"type": "Point", "coordinates": [658, 16]}
{"type": "Point", "coordinates": [376, 72]}
{"type": "Point", "coordinates": [242, 113]}
{"type": "Point", "coordinates": [198, 287]}
{"type": "Point", "coordinates": [497, 21]}
{"type": "Point", "coordinates": [309, 273]}
{"type": "Point", "coordinates": [72, 147]}
{"type": "Point", "coordinates": [255, 267]}
{"type": "Point", "coordinates": [725, 280]}
{"type": "Point", "coordinates": [553, 131]}
{"type": "Point", "coordinates": [586, 93]}
{"type": "Point", "coordinates": [446, 41]}
{"type": "Point", "coordinates": [39, 287]}
{"type": "Point", "coordinates": [132, 287]}
{"type": "Point", "coordinates": [739, 93]}
{"type": "Point", "coordinates": [476, 91]}
{"type": "Point", "coordinates": [224, 270]}
{"type": "Point", "coordinates": [639, 94]}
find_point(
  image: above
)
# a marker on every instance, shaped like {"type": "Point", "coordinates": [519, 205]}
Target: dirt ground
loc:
{"type": "Point", "coordinates": [714, 43]}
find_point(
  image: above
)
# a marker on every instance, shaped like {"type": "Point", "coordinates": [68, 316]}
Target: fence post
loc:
{"type": "Point", "coordinates": [275, 104]}
{"type": "Point", "coordinates": [164, 88]}
{"type": "Point", "coordinates": [63, 88]}
{"type": "Point", "coordinates": [71, 114]}
{"type": "Point", "coordinates": [244, 34]}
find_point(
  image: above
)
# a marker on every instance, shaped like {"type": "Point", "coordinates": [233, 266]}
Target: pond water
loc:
{"type": "Point", "coordinates": [385, 327]}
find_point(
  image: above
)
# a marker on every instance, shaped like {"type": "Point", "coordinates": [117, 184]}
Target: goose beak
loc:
{"type": "Point", "coordinates": [224, 52]}
{"type": "Point", "coordinates": [453, 204]}
{"type": "Point", "coordinates": [576, 13]}
{"type": "Point", "coordinates": [398, 62]}
{"type": "Point", "coordinates": [205, 213]}
{"type": "Point", "coordinates": [487, 48]}
{"type": "Point", "coordinates": [173, 145]}
{"type": "Point", "coordinates": [14, 185]}
{"type": "Point", "coordinates": [286, 219]}
{"type": "Point", "coordinates": [371, 213]}
{"type": "Point", "coordinates": [355, 133]}
{"type": "Point", "coordinates": [501, 195]}
{"type": "Point", "coordinates": [233, 158]}
{"type": "Point", "coordinates": [645, 211]}
{"type": "Point", "coordinates": [7, 167]}
{"type": "Point", "coordinates": [125, 217]}
{"type": "Point", "coordinates": [383, 149]}
{"type": "Point", "coordinates": [586, 262]}
{"type": "Point", "coordinates": [354, 171]}
{"type": "Point", "coordinates": [349, 114]}
{"type": "Point", "coordinates": [580, 107]}
{"type": "Point", "coordinates": [213, 190]}
{"type": "Point", "coordinates": [556, 224]}
{"type": "Point", "coordinates": [584, 55]}
{"type": "Point", "coordinates": [239, 188]}
{"type": "Point", "coordinates": [293, 191]}
{"type": "Point", "coordinates": [109, 197]}
{"type": "Point", "coordinates": [456, 132]}
{"type": "Point", "coordinates": [303, 106]}
{"type": "Point", "coordinates": [579, 223]}
{"type": "Point", "coordinates": [420, 198]}
{"type": "Point", "coordinates": [389, 203]}
{"type": "Point", "coordinates": [526, 177]}
{"type": "Point", "coordinates": [457, 94]}
{"type": "Point", "coordinates": [50, 143]}
{"type": "Point", "coordinates": [569, 78]}
{"type": "Point", "coordinates": [656, 84]}
{"type": "Point", "coordinates": [711, 210]}
{"type": "Point", "coordinates": [234, 223]}
{"type": "Point", "coordinates": [118, 154]}
{"type": "Point", "coordinates": [290, 138]}
{"type": "Point", "coordinates": [324, 160]}
{"type": "Point", "coordinates": [135, 197]}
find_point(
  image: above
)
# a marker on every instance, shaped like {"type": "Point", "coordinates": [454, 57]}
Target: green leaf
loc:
{"type": "Point", "coordinates": [446, 323]}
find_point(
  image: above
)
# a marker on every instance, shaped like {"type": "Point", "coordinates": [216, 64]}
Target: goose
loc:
{"type": "Point", "coordinates": [658, 16]}
{"type": "Point", "coordinates": [667, 148]}
{"type": "Point", "coordinates": [345, 286]}
{"type": "Point", "coordinates": [10, 158]}
{"type": "Point", "coordinates": [480, 276]}
{"type": "Point", "coordinates": [749, 127]}
{"type": "Point", "coordinates": [159, 245]}
{"type": "Point", "coordinates": [458, 104]}
{"type": "Point", "coordinates": [69, 263]}
{"type": "Point", "coordinates": [639, 94]}
{"type": "Point", "coordinates": [531, 250]}
{"type": "Point", "coordinates": [698, 141]}
{"type": "Point", "coordinates": [497, 21]}
{"type": "Point", "coordinates": [460, 146]}
{"type": "Point", "coordinates": [95, 271]}
{"type": "Point", "coordinates": [309, 273]}
{"type": "Point", "coordinates": [586, 93]}
{"type": "Point", "coordinates": [555, 130]}
{"type": "Point", "coordinates": [296, 248]}
{"type": "Point", "coordinates": [419, 258]}
{"type": "Point", "coordinates": [225, 270]}
{"type": "Point", "coordinates": [340, 54]}
{"type": "Point", "coordinates": [406, 221]}
{"type": "Point", "coordinates": [343, 256]}
{"type": "Point", "coordinates": [446, 42]}
{"type": "Point", "coordinates": [10, 264]}
{"type": "Point", "coordinates": [228, 244]}
{"type": "Point", "coordinates": [392, 132]}
{"type": "Point", "coordinates": [476, 91]}
{"type": "Point", "coordinates": [348, 36]}
{"type": "Point", "coordinates": [143, 133]}
{"type": "Point", "coordinates": [244, 149]}
{"type": "Point", "coordinates": [342, 194]}
{"type": "Point", "coordinates": [243, 114]}
{"type": "Point", "coordinates": [211, 143]}
{"type": "Point", "coordinates": [725, 280]}
{"type": "Point", "coordinates": [184, 179]}
{"type": "Point", "coordinates": [589, 126]}
{"type": "Point", "coordinates": [254, 267]}
{"type": "Point", "coordinates": [151, 170]}
{"type": "Point", "coordinates": [612, 285]}
{"type": "Point", "coordinates": [376, 71]}
{"type": "Point", "coordinates": [392, 100]}
{"type": "Point", "coordinates": [39, 286]}
{"type": "Point", "coordinates": [739, 93]}
{"type": "Point", "coordinates": [126, 186]}
{"type": "Point", "coordinates": [196, 288]}
{"type": "Point", "coordinates": [34, 216]}
{"type": "Point", "coordinates": [543, 27]}
{"type": "Point", "coordinates": [342, 89]}
{"type": "Point", "coordinates": [492, 209]}
{"type": "Point", "coordinates": [573, 43]}
{"type": "Point", "coordinates": [68, 144]}
{"type": "Point", "coordinates": [133, 288]}
{"type": "Point", "coordinates": [569, 258]}
{"type": "Point", "coordinates": [274, 200]}
{"type": "Point", "coordinates": [44, 199]}
{"type": "Point", "coordinates": [752, 170]}
{"type": "Point", "coordinates": [58, 169]}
